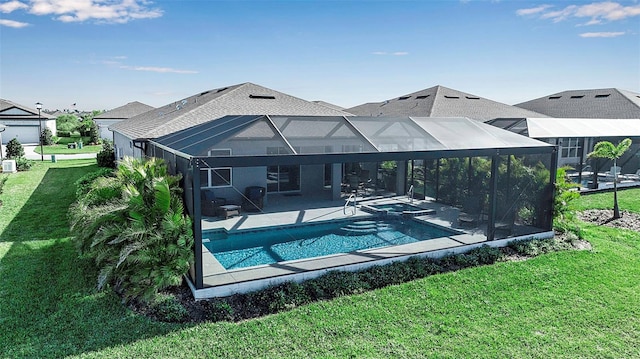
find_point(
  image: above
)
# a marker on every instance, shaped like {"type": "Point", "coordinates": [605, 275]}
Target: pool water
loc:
{"type": "Point", "coordinates": [396, 207]}
{"type": "Point", "coordinates": [252, 248]}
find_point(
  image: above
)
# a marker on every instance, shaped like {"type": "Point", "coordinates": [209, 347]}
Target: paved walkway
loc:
{"type": "Point", "coordinates": [31, 154]}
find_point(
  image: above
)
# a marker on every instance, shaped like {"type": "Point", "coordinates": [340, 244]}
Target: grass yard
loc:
{"type": "Point", "coordinates": [574, 304]}
{"type": "Point", "coordinates": [60, 149]}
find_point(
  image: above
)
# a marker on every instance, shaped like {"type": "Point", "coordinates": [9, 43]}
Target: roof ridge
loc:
{"type": "Point", "coordinates": [625, 96]}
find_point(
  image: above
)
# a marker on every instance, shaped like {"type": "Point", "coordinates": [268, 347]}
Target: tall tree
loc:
{"type": "Point", "coordinates": [606, 149]}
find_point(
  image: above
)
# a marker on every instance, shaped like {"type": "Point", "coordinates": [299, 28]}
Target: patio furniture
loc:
{"type": "Point", "coordinates": [210, 203]}
{"type": "Point", "coordinates": [229, 210]}
{"type": "Point", "coordinates": [472, 211]}
{"type": "Point", "coordinates": [633, 177]}
{"type": "Point", "coordinates": [253, 199]}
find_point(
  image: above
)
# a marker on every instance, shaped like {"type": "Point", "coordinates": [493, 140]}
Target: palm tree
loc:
{"type": "Point", "coordinates": [606, 149]}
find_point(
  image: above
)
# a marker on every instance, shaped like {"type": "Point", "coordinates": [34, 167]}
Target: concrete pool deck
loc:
{"type": "Point", "coordinates": [220, 282]}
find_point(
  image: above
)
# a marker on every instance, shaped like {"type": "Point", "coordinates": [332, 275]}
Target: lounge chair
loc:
{"type": "Point", "coordinates": [210, 203]}
{"type": "Point", "coordinates": [472, 211]}
{"type": "Point", "coordinates": [253, 199]}
{"type": "Point", "coordinates": [633, 176]}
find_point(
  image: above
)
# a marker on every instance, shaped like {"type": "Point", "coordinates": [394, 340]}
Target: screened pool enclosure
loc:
{"type": "Point", "coordinates": [499, 182]}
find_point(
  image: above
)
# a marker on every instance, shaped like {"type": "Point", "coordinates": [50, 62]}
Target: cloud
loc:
{"type": "Point", "coordinates": [597, 12]}
{"type": "Point", "coordinates": [533, 10]}
{"type": "Point", "coordinates": [158, 69]}
{"type": "Point", "coordinates": [99, 11]}
{"type": "Point", "coordinates": [397, 53]}
{"type": "Point", "coordinates": [12, 6]}
{"type": "Point", "coordinates": [14, 24]}
{"type": "Point", "coordinates": [602, 34]}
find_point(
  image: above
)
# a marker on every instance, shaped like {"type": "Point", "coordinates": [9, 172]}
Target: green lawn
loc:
{"type": "Point", "coordinates": [574, 304]}
{"type": "Point", "coordinates": [64, 150]}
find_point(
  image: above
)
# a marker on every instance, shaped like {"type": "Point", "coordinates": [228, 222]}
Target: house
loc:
{"type": "Point", "coordinates": [23, 123]}
{"type": "Point", "coordinates": [311, 168]}
{"type": "Point", "coordinates": [111, 117]}
{"type": "Point", "coordinates": [595, 104]}
{"type": "Point", "coordinates": [577, 120]}
{"type": "Point", "coordinates": [131, 135]}
{"type": "Point", "coordinates": [440, 101]}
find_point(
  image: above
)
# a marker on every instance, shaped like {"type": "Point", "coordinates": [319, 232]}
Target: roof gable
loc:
{"type": "Point", "coordinates": [126, 111]}
{"type": "Point", "coordinates": [592, 103]}
{"type": "Point", "coordinates": [440, 101]}
{"type": "Point", "coordinates": [242, 99]}
{"type": "Point", "coordinates": [9, 109]}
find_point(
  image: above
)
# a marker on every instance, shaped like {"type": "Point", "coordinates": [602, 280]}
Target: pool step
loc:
{"type": "Point", "coordinates": [361, 227]}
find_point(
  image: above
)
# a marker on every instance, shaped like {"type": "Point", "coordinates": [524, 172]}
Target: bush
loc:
{"type": "Point", "coordinates": [23, 164]}
{"type": "Point", "coordinates": [63, 133]}
{"type": "Point", "coordinates": [141, 241]}
{"type": "Point", "coordinates": [168, 309]}
{"type": "Point", "coordinates": [83, 184]}
{"type": "Point", "coordinates": [107, 156]}
{"type": "Point", "coordinates": [94, 135]}
{"type": "Point", "coordinates": [14, 149]}
{"type": "Point", "coordinates": [46, 137]}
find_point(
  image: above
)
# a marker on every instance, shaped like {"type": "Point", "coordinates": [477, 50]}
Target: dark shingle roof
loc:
{"type": "Point", "coordinates": [595, 103]}
{"type": "Point", "coordinates": [440, 101]}
{"type": "Point", "coordinates": [33, 113]}
{"type": "Point", "coordinates": [242, 99]}
{"type": "Point", "coordinates": [330, 105]}
{"type": "Point", "coordinates": [124, 112]}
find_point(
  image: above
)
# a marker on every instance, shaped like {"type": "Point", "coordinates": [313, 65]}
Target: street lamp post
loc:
{"type": "Point", "coordinates": [39, 107]}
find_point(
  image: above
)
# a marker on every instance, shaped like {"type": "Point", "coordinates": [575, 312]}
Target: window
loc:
{"type": "Point", "coordinates": [218, 176]}
{"type": "Point", "coordinates": [570, 147]}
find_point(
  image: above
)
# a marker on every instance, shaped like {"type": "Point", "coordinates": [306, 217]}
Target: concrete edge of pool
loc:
{"type": "Point", "coordinates": [221, 283]}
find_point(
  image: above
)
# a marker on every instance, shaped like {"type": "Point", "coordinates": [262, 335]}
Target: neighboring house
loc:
{"type": "Point", "coordinates": [131, 135]}
{"type": "Point", "coordinates": [111, 117]}
{"type": "Point", "coordinates": [594, 104]}
{"type": "Point", "coordinates": [440, 101]}
{"type": "Point", "coordinates": [23, 122]}
{"type": "Point", "coordinates": [576, 137]}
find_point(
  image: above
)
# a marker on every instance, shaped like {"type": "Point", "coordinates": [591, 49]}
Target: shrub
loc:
{"type": "Point", "coordinates": [107, 156]}
{"type": "Point", "coordinates": [83, 184]}
{"type": "Point", "coordinates": [141, 242]}
{"type": "Point", "coordinates": [94, 135]}
{"type": "Point", "coordinates": [63, 133]}
{"type": "Point", "coordinates": [168, 309]}
{"type": "Point", "coordinates": [46, 137]}
{"type": "Point", "coordinates": [23, 164]}
{"type": "Point", "coordinates": [220, 310]}
{"type": "Point", "coordinates": [14, 149]}
{"type": "Point", "coordinates": [563, 204]}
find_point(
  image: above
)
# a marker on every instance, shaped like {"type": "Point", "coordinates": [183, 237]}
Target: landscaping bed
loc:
{"type": "Point", "coordinates": [629, 220]}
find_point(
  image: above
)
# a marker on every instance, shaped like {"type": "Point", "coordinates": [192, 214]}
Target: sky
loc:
{"type": "Point", "coordinates": [102, 54]}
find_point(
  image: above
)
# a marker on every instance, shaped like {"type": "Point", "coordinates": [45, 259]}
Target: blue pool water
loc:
{"type": "Point", "coordinates": [247, 249]}
{"type": "Point", "coordinates": [396, 207]}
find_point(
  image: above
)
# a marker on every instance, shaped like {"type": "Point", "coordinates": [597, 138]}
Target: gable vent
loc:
{"type": "Point", "coordinates": [404, 97]}
{"type": "Point", "coordinates": [603, 95]}
{"type": "Point", "coordinates": [445, 96]}
{"type": "Point", "coordinates": [472, 97]}
{"type": "Point", "coordinates": [265, 97]}
{"type": "Point", "coordinates": [422, 97]}
{"type": "Point", "coordinates": [554, 97]}
{"type": "Point", "coordinates": [577, 96]}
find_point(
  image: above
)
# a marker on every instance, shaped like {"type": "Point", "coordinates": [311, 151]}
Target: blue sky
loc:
{"type": "Point", "coordinates": [101, 54]}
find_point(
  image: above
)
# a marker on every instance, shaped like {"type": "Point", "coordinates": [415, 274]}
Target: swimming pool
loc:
{"type": "Point", "coordinates": [243, 249]}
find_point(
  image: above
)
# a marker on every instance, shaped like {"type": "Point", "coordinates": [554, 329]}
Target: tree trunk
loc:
{"type": "Point", "coordinates": [616, 209]}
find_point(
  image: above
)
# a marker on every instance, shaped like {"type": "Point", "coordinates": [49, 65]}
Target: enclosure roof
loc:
{"type": "Point", "coordinates": [363, 134]}
{"type": "Point", "coordinates": [571, 127]}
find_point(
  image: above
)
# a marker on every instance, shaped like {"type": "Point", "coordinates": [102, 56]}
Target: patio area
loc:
{"type": "Point", "coordinates": [301, 210]}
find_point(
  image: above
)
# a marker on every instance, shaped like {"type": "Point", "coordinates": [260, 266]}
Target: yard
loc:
{"type": "Point", "coordinates": [565, 304]}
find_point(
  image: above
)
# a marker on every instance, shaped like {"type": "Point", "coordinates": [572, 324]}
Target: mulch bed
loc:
{"type": "Point", "coordinates": [605, 218]}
